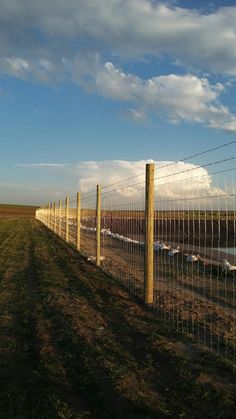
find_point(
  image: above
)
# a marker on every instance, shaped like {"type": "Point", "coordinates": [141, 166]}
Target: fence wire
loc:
{"type": "Point", "coordinates": [194, 248]}
{"type": "Point", "coordinates": [194, 244]}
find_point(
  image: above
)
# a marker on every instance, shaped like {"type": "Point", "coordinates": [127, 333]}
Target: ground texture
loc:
{"type": "Point", "coordinates": [74, 344]}
{"type": "Point", "coordinates": [17, 211]}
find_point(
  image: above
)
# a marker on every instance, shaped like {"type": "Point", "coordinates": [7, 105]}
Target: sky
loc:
{"type": "Point", "coordinates": [91, 90]}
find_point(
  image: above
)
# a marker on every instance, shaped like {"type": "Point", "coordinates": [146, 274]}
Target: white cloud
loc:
{"type": "Point", "coordinates": [173, 180]}
{"type": "Point", "coordinates": [40, 69]}
{"type": "Point", "coordinates": [177, 185]}
{"type": "Point", "coordinates": [57, 40]}
{"type": "Point", "coordinates": [137, 115]}
{"type": "Point", "coordinates": [91, 173]}
{"type": "Point", "coordinates": [173, 97]}
{"type": "Point", "coordinates": [128, 28]}
{"type": "Point", "coordinates": [41, 165]}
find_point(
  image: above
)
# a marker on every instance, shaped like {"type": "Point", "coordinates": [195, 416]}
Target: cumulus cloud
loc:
{"type": "Point", "coordinates": [177, 185]}
{"type": "Point", "coordinates": [47, 41]}
{"type": "Point", "coordinates": [133, 28]}
{"type": "Point", "coordinates": [173, 180]}
{"type": "Point", "coordinates": [173, 97]}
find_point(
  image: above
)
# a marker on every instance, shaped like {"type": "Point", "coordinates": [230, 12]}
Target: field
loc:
{"type": "Point", "coordinates": [76, 344]}
{"type": "Point", "coordinates": [17, 211]}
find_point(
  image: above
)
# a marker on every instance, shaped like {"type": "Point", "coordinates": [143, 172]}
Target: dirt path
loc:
{"type": "Point", "coordinates": [74, 344]}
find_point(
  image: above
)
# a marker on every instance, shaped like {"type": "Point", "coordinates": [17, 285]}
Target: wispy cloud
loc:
{"type": "Point", "coordinates": [137, 115]}
{"type": "Point", "coordinates": [41, 165]}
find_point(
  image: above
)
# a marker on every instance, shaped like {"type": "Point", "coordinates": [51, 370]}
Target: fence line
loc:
{"type": "Point", "coordinates": [171, 243]}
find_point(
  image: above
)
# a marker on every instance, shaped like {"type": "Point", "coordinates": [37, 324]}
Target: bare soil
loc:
{"type": "Point", "coordinates": [76, 344]}
{"type": "Point", "coordinates": [197, 298]}
{"type": "Point", "coordinates": [17, 211]}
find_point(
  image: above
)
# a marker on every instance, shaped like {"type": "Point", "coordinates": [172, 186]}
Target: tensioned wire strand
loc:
{"type": "Point", "coordinates": [197, 176]}
{"type": "Point", "coordinates": [199, 197]}
{"type": "Point", "coordinates": [173, 174]}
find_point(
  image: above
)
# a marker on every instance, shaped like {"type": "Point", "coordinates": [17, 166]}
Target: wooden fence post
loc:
{"type": "Point", "coordinates": [67, 219]}
{"type": "Point", "coordinates": [48, 215]}
{"type": "Point", "coordinates": [54, 216]}
{"type": "Point", "coordinates": [98, 226]}
{"type": "Point", "coordinates": [59, 224]}
{"type": "Point", "coordinates": [149, 234]}
{"type": "Point", "coordinates": [78, 222]}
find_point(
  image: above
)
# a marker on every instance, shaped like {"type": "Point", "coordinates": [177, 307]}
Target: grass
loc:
{"type": "Point", "coordinates": [17, 211]}
{"type": "Point", "coordinates": [74, 344]}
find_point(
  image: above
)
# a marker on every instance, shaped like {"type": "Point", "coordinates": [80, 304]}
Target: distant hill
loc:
{"type": "Point", "coordinates": [17, 211]}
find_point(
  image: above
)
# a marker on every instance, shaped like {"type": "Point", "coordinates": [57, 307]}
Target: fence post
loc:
{"type": "Point", "coordinates": [54, 217]}
{"type": "Point", "coordinates": [50, 215]}
{"type": "Point", "coordinates": [149, 234]}
{"type": "Point", "coordinates": [59, 224]}
{"type": "Point", "coordinates": [78, 222]}
{"type": "Point", "coordinates": [67, 219]}
{"type": "Point", "coordinates": [98, 226]}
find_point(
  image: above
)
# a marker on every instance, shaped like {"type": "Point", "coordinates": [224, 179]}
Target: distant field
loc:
{"type": "Point", "coordinates": [17, 211]}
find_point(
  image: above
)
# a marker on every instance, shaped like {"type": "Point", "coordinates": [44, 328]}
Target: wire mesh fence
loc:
{"type": "Point", "coordinates": [191, 237]}
{"type": "Point", "coordinates": [194, 261]}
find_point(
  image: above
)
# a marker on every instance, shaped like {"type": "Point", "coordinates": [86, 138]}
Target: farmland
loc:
{"type": "Point", "coordinates": [76, 344]}
{"type": "Point", "coordinates": [17, 211]}
{"type": "Point", "coordinates": [198, 298]}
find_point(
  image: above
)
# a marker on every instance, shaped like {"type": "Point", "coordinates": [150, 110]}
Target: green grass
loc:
{"type": "Point", "coordinates": [74, 344]}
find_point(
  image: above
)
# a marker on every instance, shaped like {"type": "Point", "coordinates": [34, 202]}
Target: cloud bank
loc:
{"type": "Point", "coordinates": [89, 44]}
{"type": "Point", "coordinates": [132, 28]}
{"type": "Point", "coordinates": [177, 185]}
{"type": "Point", "coordinates": [173, 180]}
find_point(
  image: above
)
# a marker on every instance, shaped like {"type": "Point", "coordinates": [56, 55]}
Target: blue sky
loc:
{"type": "Point", "coordinates": [104, 81]}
